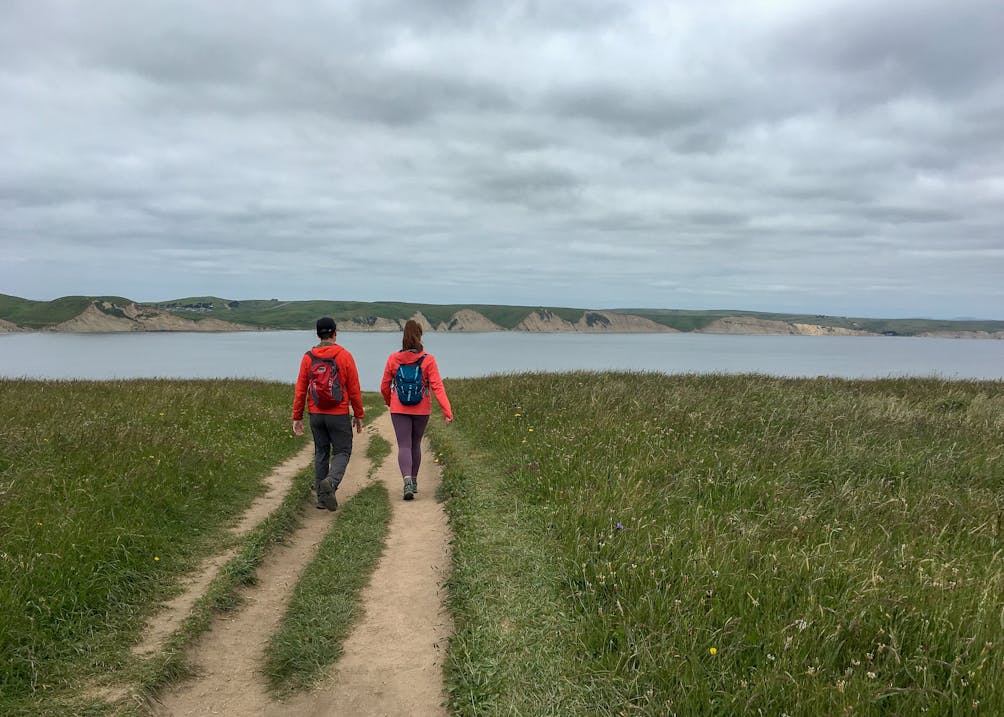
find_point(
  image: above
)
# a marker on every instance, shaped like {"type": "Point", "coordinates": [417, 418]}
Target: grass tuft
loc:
{"type": "Point", "coordinates": [377, 451]}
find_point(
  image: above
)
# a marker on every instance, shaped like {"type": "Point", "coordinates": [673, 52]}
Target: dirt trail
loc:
{"type": "Point", "coordinates": [174, 612]}
{"type": "Point", "coordinates": [392, 664]}
{"type": "Point", "coordinates": [392, 659]}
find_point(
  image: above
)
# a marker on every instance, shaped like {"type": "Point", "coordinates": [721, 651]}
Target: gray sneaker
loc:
{"type": "Point", "coordinates": [326, 496]}
{"type": "Point", "coordinates": [414, 485]}
{"type": "Point", "coordinates": [409, 488]}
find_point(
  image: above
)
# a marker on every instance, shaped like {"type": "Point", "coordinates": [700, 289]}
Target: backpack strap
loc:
{"type": "Point", "coordinates": [425, 376]}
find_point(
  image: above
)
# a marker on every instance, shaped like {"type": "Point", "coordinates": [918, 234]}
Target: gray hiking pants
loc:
{"type": "Point", "coordinates": [332, 440]}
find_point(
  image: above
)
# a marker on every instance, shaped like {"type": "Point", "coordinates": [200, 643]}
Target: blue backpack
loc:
{"type": "Point", "coordinates": [409, 383]}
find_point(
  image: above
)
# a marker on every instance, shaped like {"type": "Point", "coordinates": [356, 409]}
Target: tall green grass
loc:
{"type": "Point", "coordinates": [645, 544]}
{"type": "Point", "coordinates": [107, 492]}
{"type": "Point", "coordinates": [148, 676]}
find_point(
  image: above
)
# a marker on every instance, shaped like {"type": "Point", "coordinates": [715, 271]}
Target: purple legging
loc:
{"type": "Point", "coordinates": [409, 430]}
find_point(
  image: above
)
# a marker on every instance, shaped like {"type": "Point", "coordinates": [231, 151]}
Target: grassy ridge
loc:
{"type": "Point", "coordinates": [107, 491]}
{"type": "Point", "coordinates": [40, 314]}
{"type": "Point", "coordinates": [269, 314]}
{"type": "Point", "coordinates": [695, 320]}
{"type": "Point", "coordinates": [303, 314]}
{"type": "Point", "coordinates": [274, 314]}
{"type": "Point", "coordinates": [644, 544]}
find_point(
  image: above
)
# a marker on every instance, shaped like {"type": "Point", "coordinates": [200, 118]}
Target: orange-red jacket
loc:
{"type": "Point", "coordinates": [430, 373]}
{"type": "Point", "coordinates": [347, 376]}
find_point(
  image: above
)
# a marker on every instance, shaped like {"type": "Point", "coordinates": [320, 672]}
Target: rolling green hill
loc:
{"type": "Point", "coordinates": [302, 314]}
{"type": "Point", "coordinates": [276, 314]}
{"type": "Point", "coordinates": [695, 320]}
{"type": "Point", "coordinates": [42, 314]}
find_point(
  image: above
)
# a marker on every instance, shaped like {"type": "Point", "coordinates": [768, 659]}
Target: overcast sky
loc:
{"type": "Point", "coordinates": [841, 158]}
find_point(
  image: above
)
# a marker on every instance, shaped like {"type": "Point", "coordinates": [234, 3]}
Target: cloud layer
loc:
{"type": "Point", "coordinates": [826, 157]}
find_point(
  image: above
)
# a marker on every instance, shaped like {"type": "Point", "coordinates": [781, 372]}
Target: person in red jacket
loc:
{"type": "Point", "coordinates": [410, 420]}
{"type": "Point", "coordinates": [328, 384]}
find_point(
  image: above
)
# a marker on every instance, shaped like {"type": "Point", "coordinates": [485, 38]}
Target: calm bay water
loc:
{"type": "Point", "coordinates": [275, 355]}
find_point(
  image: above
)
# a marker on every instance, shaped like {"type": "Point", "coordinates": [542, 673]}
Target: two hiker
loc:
{"type": "Point", "coordinates": [328, 385]}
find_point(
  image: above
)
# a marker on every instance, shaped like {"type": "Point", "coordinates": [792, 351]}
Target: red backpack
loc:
{"type": "Point", "coordinates": [325, 388]}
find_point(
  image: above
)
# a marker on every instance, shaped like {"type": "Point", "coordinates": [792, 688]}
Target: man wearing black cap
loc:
{"type": "Point", "coordinates": [328, 384]}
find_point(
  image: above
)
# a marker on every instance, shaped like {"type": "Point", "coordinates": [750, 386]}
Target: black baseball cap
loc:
{"type": "Point", "coordinates": [326, 327]}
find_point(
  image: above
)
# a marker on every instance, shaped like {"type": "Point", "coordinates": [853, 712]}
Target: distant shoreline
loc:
{"type": "Point", "coordinates": [964, 335]}
{"type": "Point", "coordinates": [213, 315]}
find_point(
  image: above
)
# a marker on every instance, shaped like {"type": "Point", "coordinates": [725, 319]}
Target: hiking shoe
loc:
{"type": "Point", "coordinates": [414, 485]}
{"type": "Point", "coordinates": [326, 496]}
{"type": "Point", "coordinates": [409, 488]}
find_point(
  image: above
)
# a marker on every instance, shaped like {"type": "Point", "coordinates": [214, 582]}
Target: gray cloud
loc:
{"type": "Point", "coordinates": [832, 157]}
{"type": "Point", "coordinates": [923, 46]}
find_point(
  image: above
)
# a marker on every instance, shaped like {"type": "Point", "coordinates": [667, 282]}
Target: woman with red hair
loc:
{"type": "Point", "coordinates": [410, 379]}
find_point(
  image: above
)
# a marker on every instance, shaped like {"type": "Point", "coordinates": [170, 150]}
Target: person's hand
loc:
{"type": "Point", "coordinates": [298, 427]}
{"type": "Point", "coordinates": [449, 420]}
{"type": "Point", "coordinates": [358, 423]}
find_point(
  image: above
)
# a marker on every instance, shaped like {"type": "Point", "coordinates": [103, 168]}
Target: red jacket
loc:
{"type": "Point", "coordinates": [430, 372]}
{"type": "Point", "coordinates": [347, 376]}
